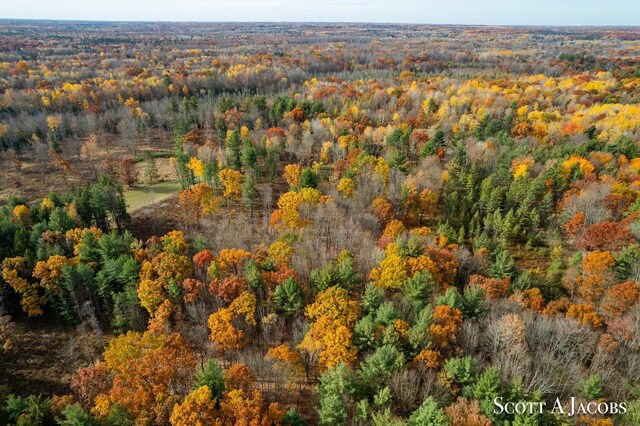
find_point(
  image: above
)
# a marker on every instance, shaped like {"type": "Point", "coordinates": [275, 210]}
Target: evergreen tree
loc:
{"type": "Point", "coordinates": [234, 145]}
{"type": "Point", "coordinates": [249, 156]}
{"type": "Point", "coordinates": [288, 297]}
{"type": "Point", "coordinates": [428, 414]}
{"type": "Point", "coordinates": [364, 333]}
{"type": "Point", "coordinates": [292, 418]}
{"type": "Point", "coordinates": [150, 167]}
{"type": "Point", "coordinates": [221, 127]}
{"type": "Point", "coordinates": [418, 336]}
{"type": "Point", "coordinates": [371, 298]}
{"type": "Point", "coordinates": [271, 162]}
{"type": "Point", "coordinates": [592, 388]}
{"type": "Point", "coordinates": [308, 179]}
{"type": "Point", "coordinates": [249, 191]}
{"type": "Point", "coordinates": [487, 387]}
{"type": "Point", "coordinates": [74, 415]}
{"type": "Point", "coordinates": [211, 375]}
{"type": "Point", "coordinates": [378, 367]}
{"type": "Point", "coordinates": [504, 265]}
{"type": "Point", "coordinates": [335, 390]}
{"type": "Point", "coordinates": [342, 274]}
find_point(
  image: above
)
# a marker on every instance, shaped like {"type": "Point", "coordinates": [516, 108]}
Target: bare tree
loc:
{"type": "Point", "coordinates": [90, 152]}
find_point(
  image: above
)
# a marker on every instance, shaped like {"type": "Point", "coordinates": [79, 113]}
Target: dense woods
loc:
{"type": "Point", "coordinates": [370, 225]}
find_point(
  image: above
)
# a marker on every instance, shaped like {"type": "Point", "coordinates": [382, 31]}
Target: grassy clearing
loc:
{"type": "Point", "coordinates": [148, 194]}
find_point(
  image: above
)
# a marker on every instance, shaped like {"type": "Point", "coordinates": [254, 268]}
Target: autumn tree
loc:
{"type": "Point", "coordinates": [287, 362]}
{"type": "Point", "coordinates": [619, 298]}
{"type": "Point", "coordinates": [466, 413]}
{"type": "Point", "coordinates": [6, 333]}
{"type": "Point", "coordinates": [605, 236]}
{"type": "Point", "coordinates": [198, 408]}
{"type": "Point", "coordinates": [197, 201]}
{"type": "Point", "coordinates": [90, 152]}
{"type": "Point", "coordinates": [148, 372]}
{"type": "Point", "coordinates": [333, 316]}
{"type": "Point", "coordinates": [596, 267]}
{"type": "Point", "coordinates": [232, 182]}
{"type": "Point", "coordinates": [31, 299]}
{"type": "Point", "coordinates": [127, 171]}
{"type": "Point", "coordinates": [392, 271]}
{"type": "Point", "coordinates": [242, 404]}
{"type": "Point", "coordinates": [224, 334]}
{"type": "Point", "coordinates": [292, 175]}
{"type": "Point", "coordinates": [89, 382]}
{"type": "Point", "coordinates": [585, 314]}
{"type": "Point", "coordinates": [446, 321]}
{"type": "Point", "coordinates": [383, 208]}
{"type": "Point", "coordinates": [160, 276]}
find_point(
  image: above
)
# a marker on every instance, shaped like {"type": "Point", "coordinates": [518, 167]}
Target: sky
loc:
{"type": "Point", "coordinates": [485, 12]}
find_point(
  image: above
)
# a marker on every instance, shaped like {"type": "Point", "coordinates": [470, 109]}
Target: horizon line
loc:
{"type": "Point", "coordinates": [322, 22]}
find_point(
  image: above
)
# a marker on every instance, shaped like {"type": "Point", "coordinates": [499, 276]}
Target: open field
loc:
{"type": "Point", "coordinates": [147, 195]}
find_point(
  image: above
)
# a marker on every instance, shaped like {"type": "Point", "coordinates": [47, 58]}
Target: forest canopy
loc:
{"type": "Point", "coordinates": [333, 224]}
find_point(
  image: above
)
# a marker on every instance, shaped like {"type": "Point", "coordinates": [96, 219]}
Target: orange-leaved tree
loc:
{"type": "Point", "coordinates": [148, 372]}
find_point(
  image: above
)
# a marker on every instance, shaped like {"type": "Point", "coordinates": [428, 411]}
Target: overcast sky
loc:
{"type": "Point", "coordinates": [499, 12]}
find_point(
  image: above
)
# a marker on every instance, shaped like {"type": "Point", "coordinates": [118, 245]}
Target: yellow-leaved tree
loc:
{"type": "Point", "coordinates": [330, 337]}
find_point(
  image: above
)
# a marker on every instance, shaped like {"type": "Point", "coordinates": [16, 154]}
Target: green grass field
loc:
{"type": "Point", "coordinates": [144, 195]}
